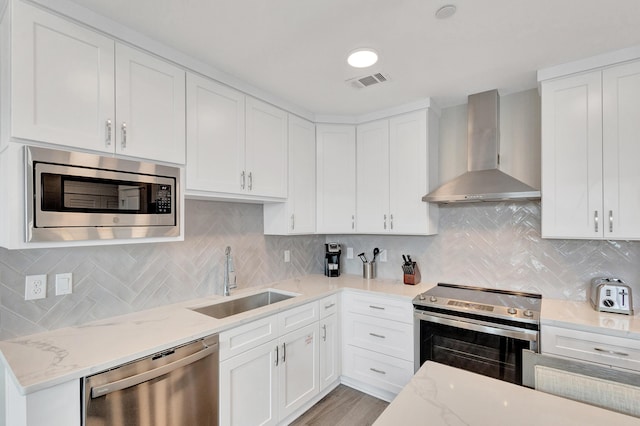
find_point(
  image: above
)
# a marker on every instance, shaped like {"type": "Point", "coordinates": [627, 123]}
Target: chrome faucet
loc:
{"type": "Point", "coordinates": [228, 269]}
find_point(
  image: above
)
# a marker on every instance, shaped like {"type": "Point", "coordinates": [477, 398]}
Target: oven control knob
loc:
{"type": "Point", "coordinates": [512, 311]}
{"type": "Point", "coordinates": [433, 299]}
{"type": "Point", "coordinates": [528, 313]}
{"type": "Point", "coordinates": [421, 296]}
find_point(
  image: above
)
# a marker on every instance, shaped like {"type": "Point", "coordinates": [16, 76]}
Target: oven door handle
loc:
{"type": "Point", "coordinates": [521, 334]}
{"type": "Point", "coordinates": [98, 391]}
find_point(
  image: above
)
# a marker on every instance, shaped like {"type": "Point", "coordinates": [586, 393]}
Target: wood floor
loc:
{"type": "Point", "coordinates": [344, 406]}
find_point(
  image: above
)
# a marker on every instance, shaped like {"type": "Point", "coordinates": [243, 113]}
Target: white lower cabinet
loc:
{"type": "Point", "coordinates": [330, 359]}
{"type": "Point", "coordinates": [267, 382]}
{"type": "Point", "coordinates": [377, 349]}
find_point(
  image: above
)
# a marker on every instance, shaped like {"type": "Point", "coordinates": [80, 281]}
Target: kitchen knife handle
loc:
{"type": "Point", "coordinates": [385, 221]}
{"type": "Point", "coordinates": [595, 220]}
{"type": "Point", "coordinates": [108, 132]}
{"type": "Point", "coordinates": [124, 135]}
{"type": "Point", "coordinates": [610, 220]}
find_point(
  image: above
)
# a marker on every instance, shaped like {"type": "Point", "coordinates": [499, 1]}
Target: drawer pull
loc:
{"type": "Point", "coordinates": [376, 307]}
{"type": "Point", "coordinates": [330, 305]}
{"type": "Point", "coordinates": [377, 371]}
{"type": "Point", "coordinates": [377, 335]}
{"type": "Point", "coordinates": [610, 352]}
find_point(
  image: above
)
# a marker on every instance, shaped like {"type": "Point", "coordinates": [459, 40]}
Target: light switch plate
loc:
{"type": "Point", "coordinates": [64, 283]}
{"type": "Point", "coordinates": [349, 252]}
{"type": "Point", "coordinates": [287, 256]}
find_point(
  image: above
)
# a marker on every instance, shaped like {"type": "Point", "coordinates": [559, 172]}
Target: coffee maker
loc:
{"type": "Point", "coordinates": [332, 259]}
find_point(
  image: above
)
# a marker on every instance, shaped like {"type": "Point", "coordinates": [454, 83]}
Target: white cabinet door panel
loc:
{"type": "Point", "coordinates": [298, 369]}
{"type": "Point", "coordinates": [302, 178]}
{"type": "Point", "coordinates": [248, 387]}
{"type": "Point", "coordinates": [215, 136]}
{"type": "Point", "coordinates": [62, 81]}
{"type": "Point", "coordinates": [621, 151]}
{"type": "Point", "coordinates": [266, 149]}
{"type": "Point", "coordinates": [330, 354]}
{"type": "Point", "coordinates": [372, 177]}
{"type": "Point", "coordinates": [150, 102]}
{"type": "Point", "coordinates": [572, 157]}
{"type": "Point", "coordinates": [336, 178]}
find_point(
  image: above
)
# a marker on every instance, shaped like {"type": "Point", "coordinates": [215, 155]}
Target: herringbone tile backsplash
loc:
{"type": "Point", "coordinates": [486, 244]}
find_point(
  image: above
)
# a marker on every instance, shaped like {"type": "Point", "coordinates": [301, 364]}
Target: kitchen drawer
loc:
{"type": "Point", "coordinates": [609, 350]}
{"type": "Point", "coordinates": [375, 369]}
{"type": "Point", "coordinates": [298, 317]}
{"type": "Point", "coordinates": [328, 306]}
{"type": "Point", "coordinates": [387, 337]}
{"type": "Point", "coordinates": [378, 306]}
{"type": "Point", "coordinates": [247, 336]}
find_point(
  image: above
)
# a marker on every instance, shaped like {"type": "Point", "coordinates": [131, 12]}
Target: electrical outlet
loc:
{"type": "Point", "coordinates": [383, 255]}
{"type": "Point", "coordinates": [35, 287]}
{"type": "Point", "coordinates": [349, 252]}
{"type": "Point", "coordinates": [287, 256]}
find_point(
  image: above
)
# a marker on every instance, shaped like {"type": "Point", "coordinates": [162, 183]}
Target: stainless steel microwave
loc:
{"type": "Point", "coordinates": [75, 196]}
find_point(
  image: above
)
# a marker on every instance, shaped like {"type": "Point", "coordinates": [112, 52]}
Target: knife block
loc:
{"type": "Point", "coordinates": [413, 279]}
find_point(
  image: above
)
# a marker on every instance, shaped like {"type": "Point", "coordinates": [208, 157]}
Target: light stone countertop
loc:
{"type": "Point", "coordinates": [439, 395]}
{"type": "Point", "coordinates": [42, 360]}
{"type": "Point", "coordinates": [581, 316]}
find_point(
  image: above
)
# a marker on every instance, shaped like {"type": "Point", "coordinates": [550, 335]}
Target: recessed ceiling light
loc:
{"type": "Point", "coordinates": [362, 58]}
{"type": "Point", "coordinates": [446, 11]}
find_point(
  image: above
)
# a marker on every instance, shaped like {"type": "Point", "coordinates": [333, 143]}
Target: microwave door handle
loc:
{"type": "Point", "coordinates": [98, 391]}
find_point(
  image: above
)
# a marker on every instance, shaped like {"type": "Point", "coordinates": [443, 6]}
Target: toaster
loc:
{"type": "Point", "coordinates": [611, 295]}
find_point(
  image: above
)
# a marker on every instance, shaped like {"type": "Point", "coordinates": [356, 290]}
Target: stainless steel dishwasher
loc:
{"type": "Point", "coordinates": [175, 387]}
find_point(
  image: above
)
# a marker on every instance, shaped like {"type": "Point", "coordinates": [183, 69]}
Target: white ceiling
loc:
{"type": "Point", "coordinates": [297, 49]}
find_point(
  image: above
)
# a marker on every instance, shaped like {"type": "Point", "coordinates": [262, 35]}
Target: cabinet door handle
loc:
{"type": "Point", "coordinates": [330, 305]}
{"type": "Point", "coordinates": [391, 218]}
{"type": "Point", "coordinates": [377, 371]}
{"type": "Point", "coordinates": [610, 220]}
{"type": "Point", "coordinates": [250, 181]}
{"type": "Point", "coordinates": [108, 132]}
{"type": "Point", "coordinates": [610, 352]}
{"type": "Point", "coordinates": [376, 307]}
{"type": "Point", "coordinates": [385, 221]}
{"type": "Point", "coordinates": [595, 220]}
{"type": "Point", "coordinates": [277, 354]}
{"type": "Point", "coordinates": [124, 135]}
{"type": "Point", "coordinates": [284, 353]}
{"type": "Point", "coordinates": [324, 334]}
{"type": "Point", "coordinates": [353, 221]}
{"type": "Point", "coordinates": [242, 179]}
{"type": "Point", "coordinates": [293, 222]}
{"type": "Point", "coordinates": [380, 336]}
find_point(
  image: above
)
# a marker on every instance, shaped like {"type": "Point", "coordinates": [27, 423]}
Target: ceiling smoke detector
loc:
{"type": "Point", "coordinates": [446, 11]}
{"type": "Point", "coordinates": [368, 80]}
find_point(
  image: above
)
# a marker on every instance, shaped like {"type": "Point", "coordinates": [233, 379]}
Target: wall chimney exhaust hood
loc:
{"type": "Point", "coordinates": [483, 181]}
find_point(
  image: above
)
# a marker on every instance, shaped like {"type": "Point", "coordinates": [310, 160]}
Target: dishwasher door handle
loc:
{"type": "Point", "coordinates": [98, 391]}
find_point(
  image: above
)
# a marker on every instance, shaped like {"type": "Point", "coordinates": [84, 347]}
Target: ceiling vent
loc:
{"type": "Point", "coordinates": [368, 80]}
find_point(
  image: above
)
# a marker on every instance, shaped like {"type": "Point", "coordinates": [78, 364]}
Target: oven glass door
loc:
{"type": "Point", "coordinates": [491, 355]}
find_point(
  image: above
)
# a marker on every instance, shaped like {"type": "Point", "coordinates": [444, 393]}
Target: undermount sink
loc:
{"type": "Point", "coordinates": [243, 304]}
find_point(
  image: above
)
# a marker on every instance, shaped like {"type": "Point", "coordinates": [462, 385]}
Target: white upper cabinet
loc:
{"type": "Point", "coordinates": [63, 81]}
{"type": "Point", "coordinates": [215, 136]}
{"type": "Point", "coordinates": [74, 87]}
{"type": "Point", "coordinates": [236, 145]}
{"type": "Point", "coordinates": [150, 107]}
{"type": "Point", "coordinates": [394, 163]}
{"type": "Point", "coordinates": [336, 178]}
{"type": "Point", "coordinates": [372, 165]}
{"type": "Point", "coordinates": [266, 149]}
{"type": "Point", "coordinates": [590, 179]}
{"type": "Point", "coordinates": [298, 214]}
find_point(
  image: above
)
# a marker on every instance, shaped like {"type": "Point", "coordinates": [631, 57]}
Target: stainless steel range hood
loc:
{"type": "Point", "coordinates": [483, 181]}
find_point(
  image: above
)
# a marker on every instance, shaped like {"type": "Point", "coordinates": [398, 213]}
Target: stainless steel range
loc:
{"type": "Point", "coordinates": [477, 329]}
